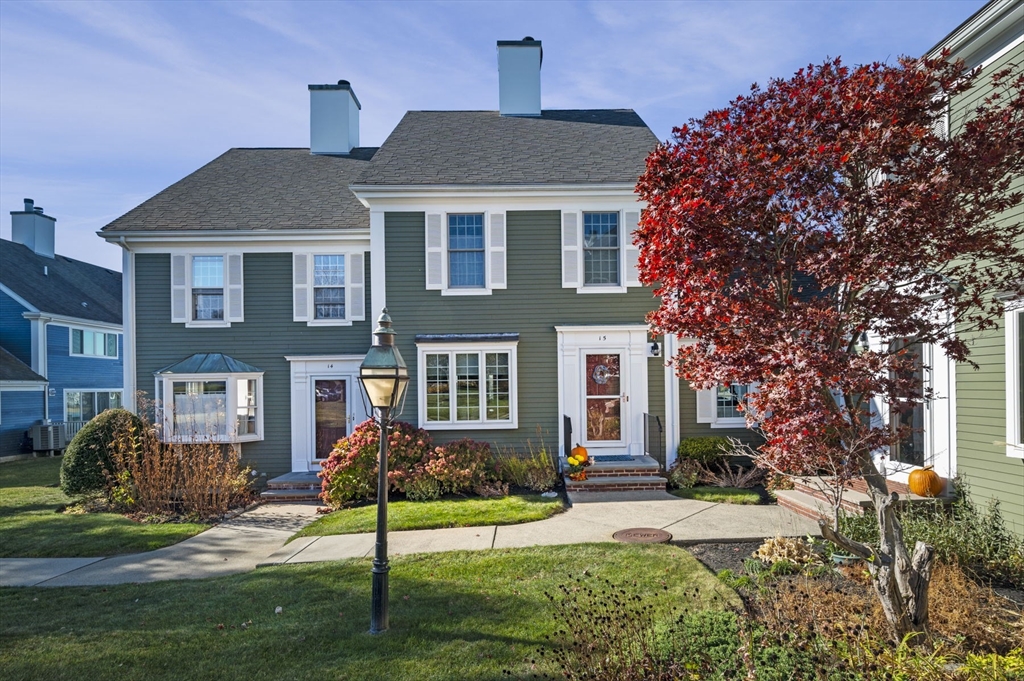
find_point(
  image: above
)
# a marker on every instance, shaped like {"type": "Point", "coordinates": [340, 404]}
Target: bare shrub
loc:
{"type": "Point", "coordinates": [203, 479]}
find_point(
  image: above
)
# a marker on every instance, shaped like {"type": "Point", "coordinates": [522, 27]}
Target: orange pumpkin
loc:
{"type": "Point", "coordinates": [579, 452]}
{"type": "Point", "coordinates": [925, 482]}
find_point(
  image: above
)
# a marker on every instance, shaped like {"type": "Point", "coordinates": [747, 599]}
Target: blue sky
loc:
{"type": "Point", "coordinates": [104, 104]}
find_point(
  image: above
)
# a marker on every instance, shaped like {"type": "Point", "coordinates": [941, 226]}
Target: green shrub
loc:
{"type": "Point", "coordinates": [88, 454]}
{"type": "Point", "coordinates": [961, 533]}
{"type": "Point", "coordinates": [704, 450]}
{"type": "Point", "coordinates": [686, 473]}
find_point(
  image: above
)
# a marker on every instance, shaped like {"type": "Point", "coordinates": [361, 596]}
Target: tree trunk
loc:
{"type": "Point", "coordinates": [900, 580]}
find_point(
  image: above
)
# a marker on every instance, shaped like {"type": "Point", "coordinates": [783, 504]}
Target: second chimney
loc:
{"type": "Point", "coordinates": [333, 118]}
{"type": "Point", "coordinates": [32, 228]}
{"type": "Point", "coordinates": [519, 77]}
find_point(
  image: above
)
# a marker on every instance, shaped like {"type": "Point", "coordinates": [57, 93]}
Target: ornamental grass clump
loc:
{"type": "Point", "coordinates": [535, 470]}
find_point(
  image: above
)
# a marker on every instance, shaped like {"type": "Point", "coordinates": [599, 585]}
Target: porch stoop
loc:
{"type": "Point", "coordinates": [808, 500]}
{"type": "Point", "coordinates": [642, 474]}
{"type": "Point", "coordinates": [295, 486]}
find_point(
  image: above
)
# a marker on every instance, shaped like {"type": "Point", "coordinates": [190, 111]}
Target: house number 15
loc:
{"type": "Point", "coordinates": [602, 338]}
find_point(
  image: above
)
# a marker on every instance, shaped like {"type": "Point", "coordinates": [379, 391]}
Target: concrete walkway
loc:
{"type": "Point", "coordinates": [257, 538]}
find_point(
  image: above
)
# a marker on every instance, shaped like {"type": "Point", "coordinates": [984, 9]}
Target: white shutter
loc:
{"type": "Point", "coordinates": [570, 251]}
{"type": "Point", "coordinates": [435, 252]}
{"type": "Point", "coordinates": [235, 293]}
{"type": "Point", "coordinates": [300, 287]}
{"type": "Point", "coordinates": [179, 289]}
{"type": "Point", "coordinates": [631, 219]}
{"type": "Point", "coordinates": [497, 251]}
{"type": "Point", "coordinates": [706, 405]}
{"type": "Point", "coordinates": [356, 288]}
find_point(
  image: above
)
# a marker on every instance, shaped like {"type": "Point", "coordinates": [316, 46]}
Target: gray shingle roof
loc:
{"type": "Point", "coordinates": [258, 189]}
{"type": "Point", "coordinates": [482, 147]}
{"type": "Point", "coordinates": [66, 286]}
{"type": "Point", "coordinates": [13, 369]}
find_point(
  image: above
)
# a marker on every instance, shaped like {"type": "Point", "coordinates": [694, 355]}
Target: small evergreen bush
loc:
{"type": "Point", "coordinates": [89, 453]}
{"type": "Point", "coordinates": [704, 450]}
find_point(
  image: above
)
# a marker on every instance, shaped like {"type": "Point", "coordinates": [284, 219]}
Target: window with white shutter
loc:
{"type": "Point", "coordinates": [207, 289]}
{"type": "Point", "coordinates": [328, 289]}
{"type": "Point", "coordinates": [465, 253]}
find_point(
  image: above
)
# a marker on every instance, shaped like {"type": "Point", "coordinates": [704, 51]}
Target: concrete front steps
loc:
{"type": "Point", "coordinates": [292, 487]}
{"type": "Point", "coordinates": [808, 500]}
{"type": "Point", "coordinates": [641, 474]}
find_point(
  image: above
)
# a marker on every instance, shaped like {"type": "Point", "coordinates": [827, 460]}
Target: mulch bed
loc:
{"type": "Point", "coordinates": [723, 556]}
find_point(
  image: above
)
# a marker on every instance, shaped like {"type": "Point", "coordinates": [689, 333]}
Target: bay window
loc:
{"type": "Point", "coordinates": [211, 408]}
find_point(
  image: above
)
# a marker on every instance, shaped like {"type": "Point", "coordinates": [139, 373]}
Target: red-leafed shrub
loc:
{"type": "Point", "coordinates": [463, 465]}
{"type": "Point", "coordinates": [350, 472]}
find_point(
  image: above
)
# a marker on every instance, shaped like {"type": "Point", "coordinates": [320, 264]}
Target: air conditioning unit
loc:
{"type": "Point", "coordinates": [48, 437]}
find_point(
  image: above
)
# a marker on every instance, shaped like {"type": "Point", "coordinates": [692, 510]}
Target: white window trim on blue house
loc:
{"type": "Point", "coordinates": [87, 329]}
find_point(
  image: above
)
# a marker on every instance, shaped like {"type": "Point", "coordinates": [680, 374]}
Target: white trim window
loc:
{"type": "Point", "coordinates": [465, 253]}
{"type": "Point", "coordinates": [598, 254]}
{"type": "Point", "coordinates": [84, 405]}
{"type": "Point", "coordinates": [211, 407]}
{"type": "Point", "coordinates": [89, 343]}
{"type": "Point", "coordinates": [206, 289]}
{"type": "Point", "coordinates": [1014, 325]}
{"type": "Point", "coordinates": [467, 386]}
{"type": "Point", "coordinates": [328, 289]}
{"type": "Point", "coordinates": [719, 406]}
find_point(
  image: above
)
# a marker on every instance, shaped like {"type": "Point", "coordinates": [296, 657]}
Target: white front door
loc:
{"type": "Point", "coordinates": [326, 406]}
{"type": "Point", "coordinates": [602, 387]}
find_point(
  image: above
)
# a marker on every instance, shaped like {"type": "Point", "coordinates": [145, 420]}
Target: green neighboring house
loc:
{"type": "Point", "coordinates": [988, 425]}
{"type": "Point", "coordinates": [500, 241]}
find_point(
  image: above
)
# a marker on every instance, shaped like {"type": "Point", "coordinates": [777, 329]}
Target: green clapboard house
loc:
{"type": "Point", "coordinates": [987, 428]}
{"type": "Point", "coordinates": [500, 242]}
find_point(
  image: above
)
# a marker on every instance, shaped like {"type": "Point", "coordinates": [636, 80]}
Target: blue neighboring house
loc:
{"type": "Point", "coordinates": [61, 341]}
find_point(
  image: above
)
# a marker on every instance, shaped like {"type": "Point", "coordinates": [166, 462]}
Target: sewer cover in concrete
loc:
{"type": "Point", "coordinates": [642, 535]}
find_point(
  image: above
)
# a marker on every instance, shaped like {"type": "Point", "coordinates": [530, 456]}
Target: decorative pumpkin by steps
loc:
{"type": "Point", "coordinates": [579, 452]}
{"type": "Point", "coordinates": [924, 482]}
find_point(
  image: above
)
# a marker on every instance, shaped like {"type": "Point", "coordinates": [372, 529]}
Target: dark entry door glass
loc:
{"type": "Point", "coordinates": [330, 397]}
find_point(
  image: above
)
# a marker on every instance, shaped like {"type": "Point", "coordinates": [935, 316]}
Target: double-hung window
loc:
{"type": "Point", "coordinates": [206, 289]}
{"type": "Point", "coordinates": [86, 343]}
{"type": "Point", "coordinates": [598, 254]}
{"type": "Point", "coordinates": [601, 256]}
{"type": "Point", "coordinates": [472, 386]}
{"type": "Point", "coordinates": [465, 253]}
{"type": "Point", "coordinates": [328, 289]}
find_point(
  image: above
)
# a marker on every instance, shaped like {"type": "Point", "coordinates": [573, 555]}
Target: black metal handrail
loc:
{"type": "Point", "coordinates": [567, 431]}
{"type": "Point", "coordinates": [653, 443]}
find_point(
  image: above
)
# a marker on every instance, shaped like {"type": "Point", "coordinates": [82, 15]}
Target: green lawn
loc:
{"type": "Point", "coordinates": [454, 616]}
{"type": "Point", "coordinates": [428, 515]}
{"type": "Point", "coordinates": [719, 495]}
{"type": "Point", "coordinates": [30, 527]}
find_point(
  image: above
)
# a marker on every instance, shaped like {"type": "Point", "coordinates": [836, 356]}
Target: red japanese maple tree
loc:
{"type": "Point", "coordinates": [784, 230]}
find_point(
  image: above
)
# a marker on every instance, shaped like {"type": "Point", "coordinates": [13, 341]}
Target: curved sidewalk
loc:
{"type": "Point", "coordinates": [257, 538]}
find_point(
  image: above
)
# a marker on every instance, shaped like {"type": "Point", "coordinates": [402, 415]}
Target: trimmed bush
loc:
{"type": "Point", "coordinates": [89, 453]}
{"type": "Point", "coordinates": [705, 450]}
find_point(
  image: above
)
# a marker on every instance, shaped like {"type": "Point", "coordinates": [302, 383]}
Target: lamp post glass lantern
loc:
{"type": "Point", "coordinates": [384, 376]}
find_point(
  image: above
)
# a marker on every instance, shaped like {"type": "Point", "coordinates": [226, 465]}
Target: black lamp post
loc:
{"type": "Point", "coordinates": [384, 376]}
